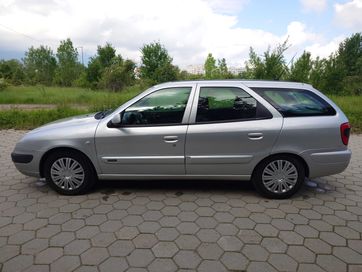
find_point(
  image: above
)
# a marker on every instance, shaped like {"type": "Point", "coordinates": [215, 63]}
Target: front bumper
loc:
{"type": "Point", "coordinates": [21, 158]}
{"type": "Point", "coordinates": [27, 163]}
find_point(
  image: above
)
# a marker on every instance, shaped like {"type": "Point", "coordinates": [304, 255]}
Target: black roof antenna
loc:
{"type": "Point", "coordinates": [278, 78]}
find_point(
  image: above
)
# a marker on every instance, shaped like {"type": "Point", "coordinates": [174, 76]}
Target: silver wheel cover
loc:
{"type": "Point", "coordinates": [280, 176]}
{"type": "Point", "coordinates": [67, 174]}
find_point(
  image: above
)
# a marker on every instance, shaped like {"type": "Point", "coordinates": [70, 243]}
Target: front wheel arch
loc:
{"type": "Point", "coordinates": [61, 149]}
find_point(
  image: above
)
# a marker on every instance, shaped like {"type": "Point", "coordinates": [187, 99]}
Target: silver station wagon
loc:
{"type": "Point", "coordinates": [272, 133]}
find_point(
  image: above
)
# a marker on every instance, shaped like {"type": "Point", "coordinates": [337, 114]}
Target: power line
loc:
{"type": "Point", "coordinates": [25, 35]}
{"type": "Point", "coordinates": [31, 38]}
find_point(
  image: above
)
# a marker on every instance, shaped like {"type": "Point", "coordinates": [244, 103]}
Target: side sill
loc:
{"type": "Point", "coordinates": [174, 177]}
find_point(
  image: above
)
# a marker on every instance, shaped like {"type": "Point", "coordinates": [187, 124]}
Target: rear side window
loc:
{"type": "Point", "coordinates": [218, 104]}
{"type": "Point", "coordinates": [296, 102]}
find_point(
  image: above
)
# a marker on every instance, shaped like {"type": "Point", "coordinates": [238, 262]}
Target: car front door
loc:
{"type": "Point", "coordinates": [151, 136]}
{"type": "Point", "coordinates": [231, 129]}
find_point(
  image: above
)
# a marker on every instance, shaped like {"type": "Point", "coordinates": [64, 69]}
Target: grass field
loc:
{"type": "Point", "coordinates": [66, 97]}
{"type": "Point", "coordinates": [67, 100]}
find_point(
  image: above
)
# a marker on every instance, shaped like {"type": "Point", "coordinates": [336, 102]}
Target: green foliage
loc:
{"type": "Point", "coordinates": [300, 71]}
{"type": "Point", "coordinates": [103, 59]}
{"type": "Point", "coordinates": [91, 101]}
{"type": "Point", "coordinates": [157, 64]}
{"type": "Point", "coordinates": [351, 106]}
{"type": "Point", "coordinates": [108, 70]}
{"type": "Point", "coordinates": [69, 96]}
{"type": "Point", "coordinates": [350, 55]}
{"type": "Point", "coordinates": [118, 75]}
{"type": "Point", "coordinates": [12, 71]}
{"type": "Point", "coordinates": [69, 68]}
{"type": "Point", "coordinates": [40, 64]}
{"type": "Point", "coordinates": [25, 119]}
{"type": "Point", "coordinates": [271, 65]}
{"type": "Point", "coordinates": [216, 71]}
{"type": "Point", "coordinates": [210, 67]}
{"type": "Point", "coordinates": [3, 84]}
{"type": "Point", "coordinates": [340, 73]}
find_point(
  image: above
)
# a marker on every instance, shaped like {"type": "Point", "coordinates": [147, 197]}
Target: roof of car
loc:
{"type": "Point", "coordinates": [248, 83]}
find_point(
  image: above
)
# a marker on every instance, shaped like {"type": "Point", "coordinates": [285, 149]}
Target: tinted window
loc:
{"type": "Point", "coordinates": [296, 102]}
{"type": "Point", "coordinates": [165, 106]}
{"type": "Point", "coordinates": [228, 104]}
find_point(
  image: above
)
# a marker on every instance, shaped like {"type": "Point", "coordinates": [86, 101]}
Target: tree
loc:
{"type": "Point", "coordinates": [103, 59]}
{"type": "Point", "coordinates": [69, 68]}
{"type": "Point", "coordinates": [12, 71]}
{"type": "Point", "coordinates": [300, 71]}
{"type": "Point", "coordinates": [157, 63]}
{"type": "Point", "coordinates": [350, 54]}
{"type": "Point", "coordinates": [119, 74]}
{"type": "Point", "coordinates": [350, 59]}
{"type": "Point", "coordinates": [40, 65]}
{"type": "Point", "coordinates": [272, 65]}
{"type": "Point", "coordinates": [317, 73]}
{"type": "Point", "coordinates": [210, 67]}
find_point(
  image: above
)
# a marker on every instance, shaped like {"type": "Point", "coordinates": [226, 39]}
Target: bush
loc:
{"type": "Point", "coordinates": [3, 84]}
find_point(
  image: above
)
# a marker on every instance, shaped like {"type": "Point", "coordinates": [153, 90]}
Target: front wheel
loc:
{"type": "Point", "coordinates": [69, 173]}
{"type": "Point", "coordinates": [279, 176]}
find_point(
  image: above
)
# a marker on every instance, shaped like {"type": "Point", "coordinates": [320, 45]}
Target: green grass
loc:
{"type": "Point", "coordinates": [65, 97]}
{"type": "Point", "coordinates": [352, 107]}
{"type": "Point", "coordinates": [67, 100]}
{"type": "Point", "coordinates": [25, 119]}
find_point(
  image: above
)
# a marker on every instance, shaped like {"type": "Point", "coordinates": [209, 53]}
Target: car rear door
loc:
{"type": "Point", "coordinates": [231, 129]}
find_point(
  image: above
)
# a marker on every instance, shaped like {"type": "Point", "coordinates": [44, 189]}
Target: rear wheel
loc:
{"type": "Point", "coordinates": [279, 176]}
{"type": "Point", "coordinates": [69, 173]}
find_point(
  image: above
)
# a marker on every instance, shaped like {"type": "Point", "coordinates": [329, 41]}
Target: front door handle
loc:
{"type": "Point", "coordinates": [255, 136]}
{"type": "Point", "coordinates": [170, 139]}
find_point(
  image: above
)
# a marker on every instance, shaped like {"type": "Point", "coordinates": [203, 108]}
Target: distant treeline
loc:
{"type": "Point", "coordinates": [340, 73]}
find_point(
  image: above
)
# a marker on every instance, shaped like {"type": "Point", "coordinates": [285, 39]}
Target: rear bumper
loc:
{"type": "Point", "coordinates": [327, 163]}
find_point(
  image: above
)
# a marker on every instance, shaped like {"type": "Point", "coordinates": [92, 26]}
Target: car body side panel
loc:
{"type": "Point", "coordinates": [54, 135]}
{"type": "Point", "coordinates": [140, 150]}
{"type": "Point", "coordinates": [317, 139]}
{"type": "Point", "coordinates": [229, 148]}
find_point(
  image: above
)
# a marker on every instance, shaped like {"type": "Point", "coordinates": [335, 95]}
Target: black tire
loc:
{"type": "Point", "coordinates": [259, 185]}
{"type": "Point", "coordinates": [90, 177]}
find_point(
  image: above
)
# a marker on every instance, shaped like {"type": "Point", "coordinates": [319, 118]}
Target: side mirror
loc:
{"type": "Point", "coordinates": [115, 121]}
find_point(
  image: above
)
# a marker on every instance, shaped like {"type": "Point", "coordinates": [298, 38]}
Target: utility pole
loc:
{"type": "Point", "coordinates": [81, 48]}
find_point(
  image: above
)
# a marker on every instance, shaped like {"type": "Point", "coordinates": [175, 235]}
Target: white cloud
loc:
{"type": "Point", "coordinates": [227, 6]}
{"type": "Point", "coordinates": [298, 35]}
{"type": "Point", "coordinates": [349, 14]}
{"type": "Point", "coordinates": [324, 50]}
{"type": "Point", "coordinates": [188, 33]}
{"type": "Point", "coordinates": [314, 5]}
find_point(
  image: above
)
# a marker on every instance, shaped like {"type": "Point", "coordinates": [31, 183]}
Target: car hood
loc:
{"type": "Point", "coordinates": [71, 122]}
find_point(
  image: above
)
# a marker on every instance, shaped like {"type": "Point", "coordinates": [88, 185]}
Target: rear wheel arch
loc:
{"type": "Point", "coordinates": [306, 167]}
{"type": "Point", "coordinates": [279, 182]}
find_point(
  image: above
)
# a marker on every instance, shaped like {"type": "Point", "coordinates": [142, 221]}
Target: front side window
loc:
{"type": "Point", "coordinates": [166, 106]}
{"type": "Point", "coordinates": [218, 104]}
{"type": "Point", "coordinates": [296, 102]}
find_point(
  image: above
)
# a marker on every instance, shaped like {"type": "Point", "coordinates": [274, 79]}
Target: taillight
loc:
{"type": "Point", "coordinates": [345, 130]}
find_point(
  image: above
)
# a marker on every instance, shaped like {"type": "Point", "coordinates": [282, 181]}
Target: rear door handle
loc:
{"type": "Point", "coordinates": [170, 139]}
{"type": "Point", "coordinates": [255, 136]}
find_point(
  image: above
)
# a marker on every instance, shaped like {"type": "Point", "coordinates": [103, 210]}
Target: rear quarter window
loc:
{"type": "Point", "coordinates": [296, 102]}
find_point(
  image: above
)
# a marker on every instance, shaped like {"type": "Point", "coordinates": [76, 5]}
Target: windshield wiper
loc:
{"type": "Point", "coordinates": [102, 114]}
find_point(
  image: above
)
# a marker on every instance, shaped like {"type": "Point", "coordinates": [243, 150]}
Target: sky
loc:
{"type": "Point", "coordinates": [189, 29]}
